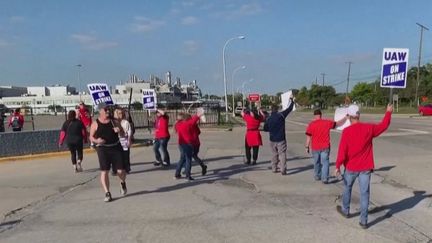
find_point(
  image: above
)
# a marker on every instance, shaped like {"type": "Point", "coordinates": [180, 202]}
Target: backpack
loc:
{"type": "Point", "coordinates": [15, 122]}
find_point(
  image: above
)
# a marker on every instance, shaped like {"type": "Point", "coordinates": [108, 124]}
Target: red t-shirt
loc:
{"type": "Point", "coordinates": [161, 127]}
{"type": "Point", "coordinates": [319, 131]}
{"type": "Point", "coordinates": [84, 116]}
{"type": "Point", "coordinates": [355, 147]}
{"type": "Point", "coordinates": [195, 135]}
{"type": "Point", "coordinates": [184, 130]}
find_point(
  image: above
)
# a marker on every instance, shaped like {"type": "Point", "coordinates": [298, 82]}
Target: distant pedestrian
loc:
{"type": "Point", "coordinates": [125, 136]}
{"type": "Point", "coordinates": [318, 140]}
{"type": "Point", "coordinates": [75, 135]}
{"type": "Point", "coordinates": [104, 134]}
{"type": "Point", "coordinates": [196, 143]}
{"type": "Point", "coordinates": [84, 115]}
{"type": "Point", "coordinates": [356, 155]}
{"type": "Point", "coordinates": [253, 138]}
{"type": "Point", "coordinates": [275, 125]}
{"type": "Point", "coordinates": [161, 139]}
{"type": "Point", "coordinates": [16, 121]}
{"type": "Point", "coordinates": [184, 126]}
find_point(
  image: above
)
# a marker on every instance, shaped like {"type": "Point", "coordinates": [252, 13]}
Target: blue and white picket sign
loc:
{"type": "Point", "coordinates": [100, 93]}
{"type": "Point", "coordinates": [394, 68]}
{"type": "Point", "coordinates": [149, 99]}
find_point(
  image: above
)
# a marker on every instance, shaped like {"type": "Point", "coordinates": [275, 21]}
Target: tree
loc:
{"type": "Point", "coordinates": [362, 93]}
{"type": "Point", "coordinates": [322, 96]}
{"type": "Point", "coordinates": [137, 105]}
{"type": "Point", "coordinates": [302, 97]}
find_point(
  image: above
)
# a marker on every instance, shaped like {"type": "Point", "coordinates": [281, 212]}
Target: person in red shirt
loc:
{"type": "Point", "coordinates": [184, 126]}
{"type": "Point", "coordinates": [84, 115]}
{"type": "Point", "coordinates": [196, 131]}
{"type": "Point", "coordinates": [253, 136]}
{"type": "Point", "coordinates": [356, 155]}
{"type": "Point", "coordinates": [16, 121]}
{"type": "Point", "coordinates": [161, 139]}
{"type": "Point", "coordinates": [318, 135]}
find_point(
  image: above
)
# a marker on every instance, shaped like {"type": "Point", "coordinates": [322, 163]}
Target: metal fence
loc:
{"type": "Point", "coordinates": [145, 119]}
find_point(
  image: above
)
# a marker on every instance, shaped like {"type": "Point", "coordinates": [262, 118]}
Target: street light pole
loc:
{"type": "Point", "coordinates": [348, 77]}
{"type": "Point", "coordinates": [232, 86]}
{"type": "Point", "coordinates": [224, 73]}
{"type": "Point", "coordinates": [79, 80]}
{"type": "Point", "coordinates": [243, 89]}
{"type": "Point", "coordinates": [422, 27]}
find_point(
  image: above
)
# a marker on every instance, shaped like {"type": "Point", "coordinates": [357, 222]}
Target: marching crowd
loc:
{"type": "Point", "coordinates": [111, 134]}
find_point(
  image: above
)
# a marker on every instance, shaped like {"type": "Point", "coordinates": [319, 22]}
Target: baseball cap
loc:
{"type": "Point", "coordinates": [353, 110]}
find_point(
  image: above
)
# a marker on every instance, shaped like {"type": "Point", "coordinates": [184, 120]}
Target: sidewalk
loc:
{"type": "Point", "coordinates": [233, 203]}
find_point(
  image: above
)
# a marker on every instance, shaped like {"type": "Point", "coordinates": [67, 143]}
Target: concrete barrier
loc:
{"type": "Point", "coordinates": [29, 142]}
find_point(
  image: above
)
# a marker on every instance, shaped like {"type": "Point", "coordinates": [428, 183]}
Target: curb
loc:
{"type": "Point", "coordinates": [58, 154]}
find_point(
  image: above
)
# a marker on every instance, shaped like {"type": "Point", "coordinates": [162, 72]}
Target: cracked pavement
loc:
{"type": "Point", "coordinates": [43, 200]}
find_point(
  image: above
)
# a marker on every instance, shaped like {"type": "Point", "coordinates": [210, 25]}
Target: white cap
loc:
{"type": "Point", "coordinates": [353, 110]}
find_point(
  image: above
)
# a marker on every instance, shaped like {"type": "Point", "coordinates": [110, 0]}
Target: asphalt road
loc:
{"type": "Point", "coordinates": [44, 201]}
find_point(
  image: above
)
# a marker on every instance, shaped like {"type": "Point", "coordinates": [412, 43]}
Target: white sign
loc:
{"type": "Point", "coordinates": [286, 101]}
{"type": "Point", "coordinates": [149, 99]}
{"type": "Point", "coordinates": [340, 113]}
{"type": "Point", "coordinates": [394, 68]}
{"type": "Point", "coordinates": [100, 93]}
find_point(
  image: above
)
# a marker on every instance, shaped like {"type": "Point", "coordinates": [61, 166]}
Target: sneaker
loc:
{"type": "Point", "coordinates": [204, 170]}
{"type": "Point", "coordinates": [80, 169]}
{"type": "Point", "coordinates": [75, 168]}
{"type": "Point", "coordinates": [92, 146]}
{"type": "Point", "coordinates": [341, 212]}
{"type": "Point", "coordinates": [247, 163]}
{"type": "Point", "coordinates": [123, 189]}
{"type": "Point", "coordinates": [190, 178]}
{"type": "Point", "coordinates": [254, 162]}
{"type": "Point", "coordinates": [325, 182]}
{"type": "Point", "coordinates": [363, 226]}
{"type": "Point", "coordinates": [176, 177]}
{"type": "Point", "coordinates": [108, 197]}
{"type": "Point", "coordinates": [283, 173]}
{"type": "Point", "coordinates": [156, 163]}
{"type": "Point", "coordinates": [165, 164]}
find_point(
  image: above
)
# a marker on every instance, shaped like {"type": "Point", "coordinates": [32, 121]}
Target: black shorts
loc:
{"type": "Point", "coordinates": [110, 156]}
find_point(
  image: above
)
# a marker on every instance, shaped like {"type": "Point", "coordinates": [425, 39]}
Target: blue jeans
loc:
{"type": "Point", "coordinates": [321, 164]}
{"type": "Point", "coordinates": [162, 145]}
{"type": "Point", "coordinates": [186, 151]}
{"type": "Point", "coordinates": [364, 183]}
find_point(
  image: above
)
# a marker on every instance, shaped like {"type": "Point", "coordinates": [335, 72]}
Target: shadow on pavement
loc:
{"type": "Point", "coordinates": [385, 168]}
{"type": "Point", "coordinates": [396, 207]}
{"type": "Point", "coordinates": [217, 175]}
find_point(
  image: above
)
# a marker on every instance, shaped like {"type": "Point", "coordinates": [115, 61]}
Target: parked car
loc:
{"type": "Point", "coordinates": [425, 110]}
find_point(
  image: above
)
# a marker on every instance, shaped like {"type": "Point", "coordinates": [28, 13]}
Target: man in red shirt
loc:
{"type": "Point", "coordinates": [356, 154]}
{"type": "Point", "coordinates": [318, 135]}
{"type": "Point", "coordinates": [184, 126]}
{"type": "Point", "coordinates": [16, 121]}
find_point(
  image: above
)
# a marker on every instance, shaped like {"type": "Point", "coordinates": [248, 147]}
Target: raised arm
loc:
{"type": "Point", "coordinates": [289, 109]}
{"type": "Point", "coordinates": [384, 124]}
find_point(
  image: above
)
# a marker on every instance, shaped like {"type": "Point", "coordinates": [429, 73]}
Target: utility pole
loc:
{"type": "Point", "coordinates": [422, 27]}
{"type": "Point", "coordinates": [316, 80]}
{"type": "Point", "coordinates": [348, 77]}
{"type": "Point", "coordinates": [323, 76]}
